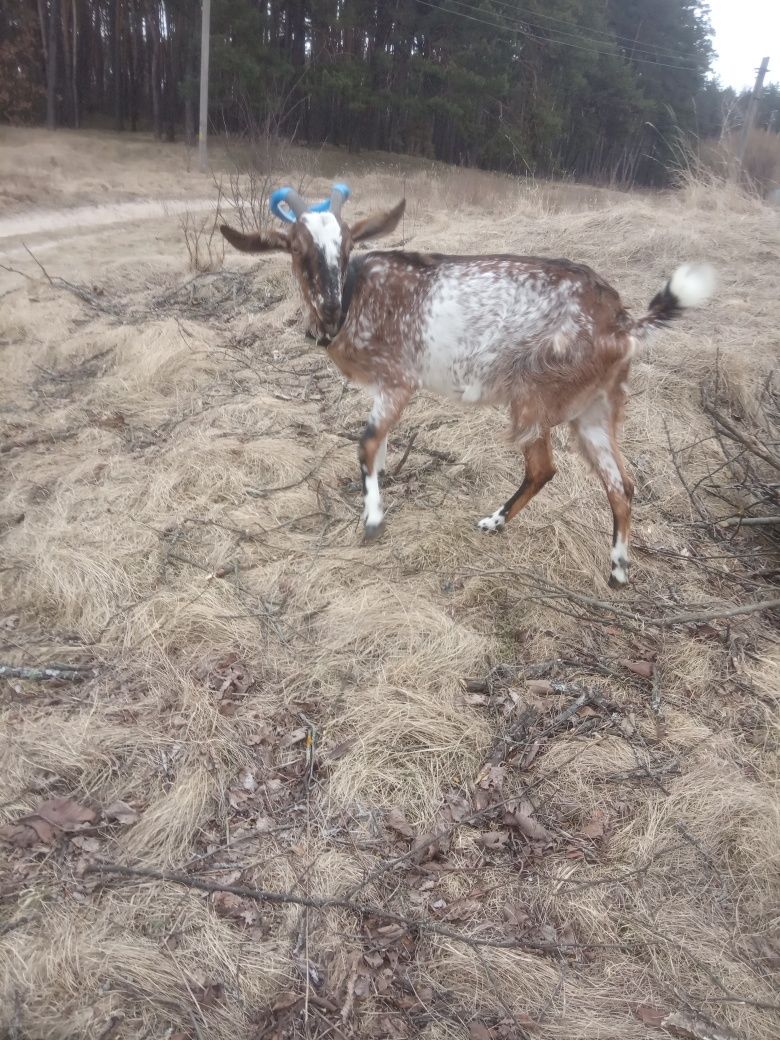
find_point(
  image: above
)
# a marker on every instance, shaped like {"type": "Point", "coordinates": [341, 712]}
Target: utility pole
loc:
{"type": "Point", "coordinates": [204, 86]}
{"type": "Point", "coordinates": [750, 115]}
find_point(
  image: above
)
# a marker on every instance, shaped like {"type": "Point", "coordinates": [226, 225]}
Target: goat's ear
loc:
{"type": "Point", "coordinates": [379, 224]}
{"type": "Point", "coordinates": [257, 242]}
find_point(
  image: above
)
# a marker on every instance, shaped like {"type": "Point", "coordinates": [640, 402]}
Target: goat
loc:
{"type": "Point", "coordinates": [549, 339]}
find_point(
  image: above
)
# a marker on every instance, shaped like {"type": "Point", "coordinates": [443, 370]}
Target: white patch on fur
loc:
{"type": "Point", "coordinates": [619, 558]}
{"type": "Point", "coordinates": [326, 232]}
{"type": "Point", "coordinates": [598, 437]}
{"type": "Point", "coordinates": [381, 456]}
{"type": "Point", "coordinates": [372, 513]}
{"type": "Point", "coordinates": [492, 523]}
{"type": "Point", "coordinates": [693, 284]}
{"type": "Point", "coordinates": [475, 317]}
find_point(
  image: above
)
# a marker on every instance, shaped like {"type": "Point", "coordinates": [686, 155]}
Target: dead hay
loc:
{"type": "Point", "coordinates": [272, 705]}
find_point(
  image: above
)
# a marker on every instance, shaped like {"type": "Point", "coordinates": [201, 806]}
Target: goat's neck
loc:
{"type": "Point", "coordinates": [354, 268]}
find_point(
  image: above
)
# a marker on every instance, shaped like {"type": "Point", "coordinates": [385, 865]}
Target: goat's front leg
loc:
{"type": "Point", "coordinates": [386, 412]}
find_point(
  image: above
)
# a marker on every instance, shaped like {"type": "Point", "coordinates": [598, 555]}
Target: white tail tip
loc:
{"type": "Point", "coordinates": [693, 285]}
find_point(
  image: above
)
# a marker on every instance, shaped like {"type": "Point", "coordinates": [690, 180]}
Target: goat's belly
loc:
{"type": "Point", "coordinates": [458, 381]}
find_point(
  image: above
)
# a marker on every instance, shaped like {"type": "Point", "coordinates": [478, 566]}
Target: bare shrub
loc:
{"type": "Point", "coordinates": [205, 245]}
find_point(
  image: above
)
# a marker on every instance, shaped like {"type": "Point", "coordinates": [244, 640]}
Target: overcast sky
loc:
{"type": "Point", "coordinates": [745, 31]}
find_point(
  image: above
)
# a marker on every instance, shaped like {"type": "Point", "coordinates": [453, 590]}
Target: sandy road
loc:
{"type": "Point", "coordinates": [80, 218]}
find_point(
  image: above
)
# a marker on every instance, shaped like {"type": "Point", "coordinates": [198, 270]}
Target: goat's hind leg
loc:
{"type": "Point", "coordinates": [371, 453]}
{"type": "Point", "coordinates": [596, 432]}
{"type": "Point", "coordinates": [539, 470]}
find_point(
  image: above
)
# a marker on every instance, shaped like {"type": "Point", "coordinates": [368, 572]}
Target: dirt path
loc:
{"type": "Point", "coordinates": [44, 221]}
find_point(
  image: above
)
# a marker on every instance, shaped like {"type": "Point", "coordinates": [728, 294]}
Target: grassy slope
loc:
{"type": "Point", "coordinates": [226, 621]}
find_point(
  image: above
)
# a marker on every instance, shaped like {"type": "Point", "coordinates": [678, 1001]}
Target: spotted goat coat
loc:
{"type": "Point", "coordinates": [548, 339]}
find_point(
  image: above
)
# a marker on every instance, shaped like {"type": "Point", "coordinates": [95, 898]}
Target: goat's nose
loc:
{"type": "Point", "coordinates": [331, 313]}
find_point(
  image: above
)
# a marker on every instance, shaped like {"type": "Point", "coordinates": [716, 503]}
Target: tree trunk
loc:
{"type": "Point", "coordinates": [74, 83]}
{"type": "Point", "coordinates": [51, 66]}
{"type": "Point", "coordinates": [116, 50]}
{"type": "Point", "coordinates": [67, 61]}
{"type": "Point", "coordinates": [155, 68]}
{"type": "Point", "coordinates": [190, 81]}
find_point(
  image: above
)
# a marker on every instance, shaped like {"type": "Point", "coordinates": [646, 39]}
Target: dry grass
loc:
{"type": "Point", "coordinates": [178, 509]}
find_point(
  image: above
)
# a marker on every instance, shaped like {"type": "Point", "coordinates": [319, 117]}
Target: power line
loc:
{"type": "Point", "coordinates": [630, 40]}
{"type": "Point", "coordinates": [521, 31]}
{"type": "Point", "coordinates": [581, 36]}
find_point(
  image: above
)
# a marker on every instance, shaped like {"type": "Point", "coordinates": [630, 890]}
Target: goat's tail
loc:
{"type": "Point", "coordinates": [691, 285]}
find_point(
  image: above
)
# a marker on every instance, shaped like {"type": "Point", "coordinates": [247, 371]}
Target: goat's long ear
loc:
{"type": "Point", "coordinates": [378, 224]}
{"type": "Point", "coordinates": [258, 241]}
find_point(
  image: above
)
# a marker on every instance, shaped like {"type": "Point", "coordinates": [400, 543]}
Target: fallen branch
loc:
{"type": "Point", "coordinates": [71, 674]}
{"type": "Point", "coordinates": [62, 283]}
{"type": "Point", "coordinates": [743, 438]}
{"type": "Point", "coordinates": [749, 521]}
{"type": "Point", "coordinates": [407, 450]}
{"type": "Point", "coordinates": [632, 620]}
{"type": "Point", "coordinates": [721, 612]}
{"type": "Point", "coordinates": [260, 895]}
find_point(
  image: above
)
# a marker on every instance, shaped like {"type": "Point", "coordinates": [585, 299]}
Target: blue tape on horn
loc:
{"type": "Point", "coordinates": [324, 206]}
{"type": "Point", "coordinates": [277, 197]}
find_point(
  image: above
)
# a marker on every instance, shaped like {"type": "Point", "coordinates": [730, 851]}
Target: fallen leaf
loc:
{"type": "Point", "coordinates": [121, 812]}
{"type": "Point", "coordinates": [264, 824]}
{"type": "Point", "coordinates": [479, 1031]}
{"type": "Point", "coordinates": [341, 749]}
{"type": "Point", "coordinates": [86, 844]}
{"type": "Point", "coordinates": [706, 632]}
{"type": "Point", "coordinates": [463, 910]}
{"type": "Point", "coordinates": [539, 686]}
{"type": "Point", "coordinates": [362, 987]}
{"type": "Point", "coordinates": [651, 1016]}
{"type": "Point", "coordinates": [237, 796]}
{"type": "Point", "coordinates": [458, 807]}
{"type": "Point", "coordinates": [52, 818]}
{"type": "Point", "coordinates": [476, 700]}
{"type": "Point", "coordinates": [491, 778]}
{"type": "Point", "coordinates": [595, 827]}
{"type": "Point", "coordinates": [247, 780]}
{"type": "Point", "coordinates": [295, 737]}
{"type": "Point", "coordinates": [286, 1000]}
{"type": "Point", "coordinates": [530, 755]}
{"type": "Point", "coordinates": [374, 960]}
{"type": "Point", "coordinates": [643, 668]}
{"type": "Point", "coordinates": [209, 994]}
{"type": "Point", "coordinates": [695, 1026]}
{"type": "Point", "coordinates": [493, 839]}
{"type": "Point", "coordinates": [397, 821]}
{"type": "Point", "coordinates": [522, 820]}
{"type": "Point", "coordinates": [227, 903]}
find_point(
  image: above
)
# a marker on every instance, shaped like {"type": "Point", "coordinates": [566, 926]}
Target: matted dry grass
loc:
{"type": "Point", "coordinates": [179, 508]}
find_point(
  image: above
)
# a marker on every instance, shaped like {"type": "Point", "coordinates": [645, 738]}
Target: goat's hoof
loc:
{"type": "Point", "coordinates": [373, 531]}
{"type": "Point", "coordinates": [618, 580]}
{"type": "Point", "coordinates": [491, 524]}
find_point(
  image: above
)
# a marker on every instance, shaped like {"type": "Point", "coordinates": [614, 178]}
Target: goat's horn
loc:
{"type": "Point", "coordinates": [296, 207]}
{"type": "Point", "coordinates": [339, 194]}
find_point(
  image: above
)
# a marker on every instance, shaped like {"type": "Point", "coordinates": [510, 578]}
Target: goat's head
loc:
{"type": "Point", "coordinates": [320, 243]}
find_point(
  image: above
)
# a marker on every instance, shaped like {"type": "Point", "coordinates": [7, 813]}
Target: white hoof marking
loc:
{"type": "Point", "coordinates": [492, 523]}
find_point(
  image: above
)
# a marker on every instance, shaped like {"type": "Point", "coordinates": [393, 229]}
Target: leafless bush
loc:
{"type": "Point", "coordinates": [205, 246]}
{"type": "Point", "coordinates": [262, 153]}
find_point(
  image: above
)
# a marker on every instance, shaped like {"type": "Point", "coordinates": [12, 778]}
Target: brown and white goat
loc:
{"type": "Point", "coordinates": [549, 339]}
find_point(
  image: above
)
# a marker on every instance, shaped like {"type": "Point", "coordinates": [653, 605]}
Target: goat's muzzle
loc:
{"type": "Point", "coordinates": [331, 319]}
